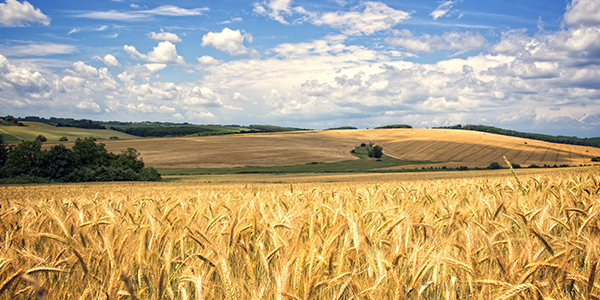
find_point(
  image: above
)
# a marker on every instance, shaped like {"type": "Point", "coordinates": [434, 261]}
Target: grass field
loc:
{"type": "Point", "coordinates": [33, 129]}
{"type": "Point", "coordinates": [359, 236]}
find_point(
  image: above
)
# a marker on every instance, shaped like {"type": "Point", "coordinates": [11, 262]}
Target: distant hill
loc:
{"type": "Point", "coordinates": [571, 140]}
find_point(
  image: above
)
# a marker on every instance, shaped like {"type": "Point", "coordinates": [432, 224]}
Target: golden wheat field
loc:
{"type": "Point", "coordinates": [450, 147]}
{"type": "Point", "coordinates": [476, 237]}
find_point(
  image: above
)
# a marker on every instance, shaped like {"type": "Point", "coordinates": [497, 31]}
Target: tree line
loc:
{"type": "Point", "coordinates": [86, 161]}
{"type": "Point", "coordinates": [571, 140]}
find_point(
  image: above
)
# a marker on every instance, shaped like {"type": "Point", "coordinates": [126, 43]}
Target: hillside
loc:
{"type": "Point", "coordinates": [447, 146]}
{"type": "Point", "coordinates": [52, 133]}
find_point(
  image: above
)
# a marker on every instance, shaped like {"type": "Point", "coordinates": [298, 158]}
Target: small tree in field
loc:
{"type": "Point", "coordinates": [377, 151]}
{"type": "Point", "coordinates": [494, 166]}
{"type": "Point", "coordinates": [41, 138]}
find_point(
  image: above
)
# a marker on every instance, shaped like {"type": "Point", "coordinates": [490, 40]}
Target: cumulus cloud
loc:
{"type": "Point", "coordinates": [15, 13]}
{"type": "Point", "coordinates": [365, 19]}
{"type": "Point", "coordinates": [583, 12]}
{"type": "Point", "coordinates": [165, 53]}
{"type": "Point", "coordinates": [164, 36]}
{"type": "Point", "coordinates": [208, 60]}
{"type": "Point", "coordinates": [230, 41]}
{"type": "Point", "coordinates": [458, 41]}
{"type": "Point", "coordinates": [109, 60]}
{"type": "Point", "coordinates": [375, 16]}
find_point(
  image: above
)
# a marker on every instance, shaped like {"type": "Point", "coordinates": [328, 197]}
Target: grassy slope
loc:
{"type": "Point", "coordinates": [8, 139]}
{"type": "Point", "coordinates": [33, 129]}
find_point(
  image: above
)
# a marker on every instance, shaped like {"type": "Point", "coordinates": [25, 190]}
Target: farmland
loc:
{"type": "Point", "coordinates": [32, 129]}
{"type": "Point", "coordinates": [447, 147]}
{"type": "Point", "coordinates": [477, 235]}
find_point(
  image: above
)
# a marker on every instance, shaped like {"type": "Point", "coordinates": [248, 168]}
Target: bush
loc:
{"type": "Point", "coordinates": [63, 139]}
{"type": "Point", "coordinates": [516, 166]}
{"type": "Point", "coordinates": [113, 137]}
{"type": "Point", "coordinates": [41, 138]}
{"type": "Point", "coordinates": [377, 151]}
{"type": "Point", "coordinates": [533, 166]}
{"type": "Point", "coordinates": [494, 166]}
{"type": "Point", "coordinates": [463, 168]}
{"type": "Point", "coordinates": [597, 158]}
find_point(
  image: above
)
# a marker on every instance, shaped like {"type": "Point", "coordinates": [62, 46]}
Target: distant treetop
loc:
{"type": "Point", "coordinates": [394, 126]}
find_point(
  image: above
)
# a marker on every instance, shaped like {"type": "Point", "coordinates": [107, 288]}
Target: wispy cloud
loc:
{"type": "Point", "coordinates": [165, 10]}
{"type": "Point", "coordinates": [442, 9]}
{"type": "Point", "coordinates": [37, 49]}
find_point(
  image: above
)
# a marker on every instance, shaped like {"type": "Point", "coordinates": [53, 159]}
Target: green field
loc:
{"type": "Point", "coordinates": [33, 129]}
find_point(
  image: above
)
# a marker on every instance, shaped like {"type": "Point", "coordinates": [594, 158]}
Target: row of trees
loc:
{"type": "Point", "coordinates": [162, 131]}
{"type": "Point", "coordinates": [83, 123]}
{"type": "Point", "coordinates": [86, 161]}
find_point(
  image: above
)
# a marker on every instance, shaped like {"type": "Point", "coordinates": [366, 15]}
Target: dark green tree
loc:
{"type": "Point", "coordinates": [129, 159]}
{"type": "Point", "coordinates": [494, 165]}
{"type": "Point", "coordinates": [59, 162]}
{"type": "Point", "coordinates": [41, 138]}
{"type": "Point", "coordinates": [377, 151]}
{"type": "Point", "coordinates": [90, 153]}
{"type": "Point", "coordinates": [25, 159]}
{"type": "Point", "coordinates": [3, 151]}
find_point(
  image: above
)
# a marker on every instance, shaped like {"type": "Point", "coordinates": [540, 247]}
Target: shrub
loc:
{"type": "Point", "coordinates": [516, 166]}
{"type": "Point", "coordinates": [63, 139]}
{"type": "Point", "coordinates": [362, 144]}
{"type": "Point", "coordinates": [113, 137]}
{"type": "Point", "coordinates": [533, 166]}
{"type": "Point", "coordinates": [463, 168]}
{"type": "Point", "coordinates": [41, 138]}
{"type": "Point", "coordinates": [377, 151]}
{"type": "Point", "coordinates": [494, 165]}
{"type": "Point", "coordinates": [597, 158]}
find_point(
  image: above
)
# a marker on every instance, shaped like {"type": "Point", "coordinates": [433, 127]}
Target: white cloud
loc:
{"type": "Point", "coordinates": [230, 41]}
{"type": "Point", "coordinates": [164, 36]}
{"type": "Point", "coordinates": [165, 53]}
{"type": "Point", "coordinates": [375, 16]}
{"type": "Point", "coordinates": [208, 60]}
{"type": "Point", "coordinates": [37, 49]}
{"type": "Point", "coordinates": [165, 10]}
{"type": "Point", "coordinates": [171, 10]}
{"type": "Point", "coordinates": [365, 19]}
{"type": "Point", "coordinates": [275, 9]}
{"type": "Point", "coordinates": [442, 9]}
{"type": "Point", "coordinates": [583, 12]}
{"type": "Point", "coordinates": [145, 72]}
{"type": "Point", "coordinates": [458, 41]}
{"type": "Point", "coordinates": [108, 60]}
{"type": "Point", "coordinates": [15, 13]}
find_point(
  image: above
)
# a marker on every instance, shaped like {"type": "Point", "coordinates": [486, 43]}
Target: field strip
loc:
{"type": "Point", "coordinates": [531, 154]}
{"type": "Point", "coordinates": [473, 155]}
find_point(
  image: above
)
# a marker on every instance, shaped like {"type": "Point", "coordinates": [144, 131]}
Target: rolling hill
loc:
{"type": "Point", "coordinates": [449, 147]}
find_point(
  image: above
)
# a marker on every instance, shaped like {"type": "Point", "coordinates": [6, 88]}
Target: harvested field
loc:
{"type": "Point", "coordinates": [450, 147]}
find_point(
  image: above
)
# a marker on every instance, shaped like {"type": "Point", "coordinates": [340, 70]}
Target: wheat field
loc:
{"type": "Point", "coordinates": [450, 147]}
{"type": "Point", "coordinates": [480, 237]}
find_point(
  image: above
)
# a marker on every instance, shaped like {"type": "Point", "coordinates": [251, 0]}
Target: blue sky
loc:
{"type": "Point", "coordinates": [523, 65]}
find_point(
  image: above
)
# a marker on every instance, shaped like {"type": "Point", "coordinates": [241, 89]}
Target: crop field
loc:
{"type": "Point", "coordinates": [52, 133]}
{"type": "Point", "coordinates": [484, 236]}
{"type": "Point", "coordinates": [448, 147]}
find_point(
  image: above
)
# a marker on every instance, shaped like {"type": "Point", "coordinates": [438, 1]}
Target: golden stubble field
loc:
{"type": "Point", "coordinates": [452, 147]}
{"type": "Point", "coordinates": [360, 237]}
